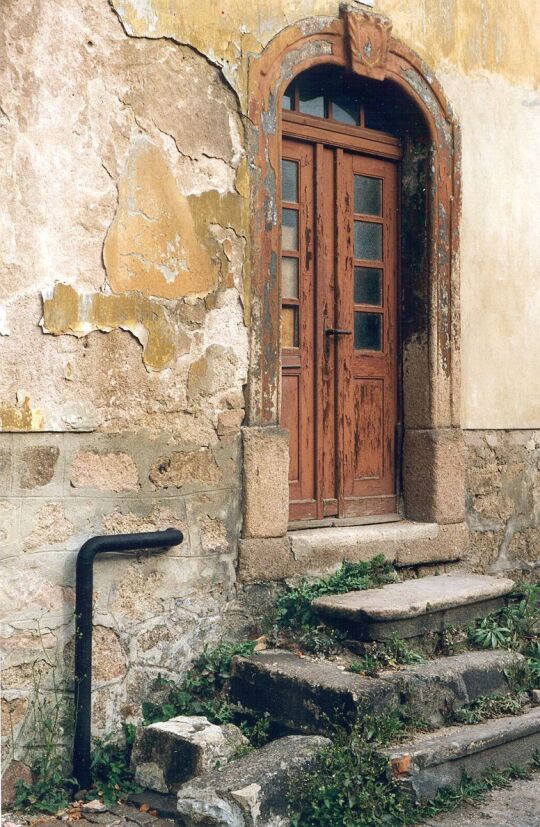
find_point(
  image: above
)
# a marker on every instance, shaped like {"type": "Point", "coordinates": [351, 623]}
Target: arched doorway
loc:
{"type": "Point", "coordinates": [410, 442]}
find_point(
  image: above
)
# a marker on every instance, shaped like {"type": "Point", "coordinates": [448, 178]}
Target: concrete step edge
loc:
{"type": "Point", "coordinates": [449, 743]}
{"type": "Point", "coordinates": [428, 763]}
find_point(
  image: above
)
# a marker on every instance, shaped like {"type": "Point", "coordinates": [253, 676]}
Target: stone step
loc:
{"type": "Point", "coordinates": [305, 695]}
{"type": "Point", "coordinates": [403, 543]}
{"type": "Point", "coordinates": [250, 790]}
{"type": "Point", "coordinates": [439, 759]}
{"type": "Point", "coordinates": [414, 607]}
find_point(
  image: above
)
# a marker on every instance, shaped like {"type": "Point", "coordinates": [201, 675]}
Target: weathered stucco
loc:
{"type": "Point", "coordinates": [125, 312]}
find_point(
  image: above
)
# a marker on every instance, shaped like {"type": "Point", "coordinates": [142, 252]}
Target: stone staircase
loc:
{"type": "Point", "coordinates": [306, 697]}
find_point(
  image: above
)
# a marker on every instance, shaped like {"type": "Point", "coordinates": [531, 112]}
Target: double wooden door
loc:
{"type": "Point", "coordinates": [339, 336]}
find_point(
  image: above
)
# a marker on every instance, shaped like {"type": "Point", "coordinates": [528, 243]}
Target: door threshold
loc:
{"type": "Point", "coordinates": [335, 522]}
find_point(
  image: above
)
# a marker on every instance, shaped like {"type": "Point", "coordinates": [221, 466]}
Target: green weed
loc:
{"type": "Point", "coordinates": [481, 709]}
{"type": "Point", "coordinates": [295, 624]}
{"type": "Point", "coordinates": [293, 607]}
{"type": "Point", "coordinates": [390, 654]}
{"type": "Point", "coordinates": [111, 774]}
{"type": "Point", "coordinates": [515, 626]}
{"type": "Point", "coordinates": [350, 786]}
{"type": "Point", "coordinates": [205, 691]}
{"type": "Point", "coordinates": [50, 722]}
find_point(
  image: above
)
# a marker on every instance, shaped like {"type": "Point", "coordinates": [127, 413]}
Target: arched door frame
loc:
{"type": "Point", "coordinates": [362, 43]}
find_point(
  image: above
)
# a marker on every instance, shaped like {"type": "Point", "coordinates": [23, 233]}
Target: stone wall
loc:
{"type": "Point", "coordinates": [503, 500]}
{"type": "Point", "coordinates": [152, 614]}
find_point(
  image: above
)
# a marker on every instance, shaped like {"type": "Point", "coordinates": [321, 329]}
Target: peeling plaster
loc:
{"type": "Point", "coordinates": [152, 245]}
{"type": "Point", "coordinates": [65, 311]}
{"type": "Point", "coordinates": [20, 417]}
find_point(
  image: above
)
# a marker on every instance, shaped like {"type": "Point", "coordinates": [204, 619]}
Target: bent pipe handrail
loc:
{"type": "Point", "coordinates": [84, 584]}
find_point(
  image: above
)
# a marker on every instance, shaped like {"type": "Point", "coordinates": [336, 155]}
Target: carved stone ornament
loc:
{"type": "Point", "coordinates": [368, 37]}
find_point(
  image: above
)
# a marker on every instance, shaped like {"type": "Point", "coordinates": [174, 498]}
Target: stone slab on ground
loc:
{"type": "Point", "coordinates": [305, 695]}
{"type": "Point", "coordinates": [413, 607]}
{"type": "Point", "coordinates": [439, 759]}
{"type": "Point", "coordinates": [167, 754]}
{"type": "Point", "coordinates": [515, 806]}
{"type": "Point", "coordinates": [251, 790]}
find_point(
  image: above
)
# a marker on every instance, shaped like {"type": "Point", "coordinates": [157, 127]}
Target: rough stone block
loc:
{"type": "Point", "coordinates": [260, 561]}
{"type": "Point", "coordinates": [167, 754]}
{"type": "Point", "coordinates": [106, 471]}
{"type": "Point", "coordinates": [306, 695]}
{"type": "Point", "coordinates": [449, 545]}
{"type": "Point", "coordinates": [404, 543]}
{"type": "Point", "coordinates": [434, 475]}
{"type": "Point", "coordinates": [16, 771]}
{"type": "Point", "coordinates": [252, 790]}
{"type": "Point", "coordinates": [186, 468]}
{"type": "Point", "coordinates": [438, 760]}
{"type": "Point", "coordinates": [5, 470]}
{"type": "Point", "coordinates": [38, 464]}
{"type": "Point", "coordinates": [266, 482]}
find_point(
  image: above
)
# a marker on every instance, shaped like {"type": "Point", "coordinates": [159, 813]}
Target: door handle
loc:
{"type": "Point", "coordinates": [336, 331]}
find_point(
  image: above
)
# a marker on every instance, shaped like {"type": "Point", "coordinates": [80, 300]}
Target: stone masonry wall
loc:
{"type": "Point", "coordinates": [503, 500]}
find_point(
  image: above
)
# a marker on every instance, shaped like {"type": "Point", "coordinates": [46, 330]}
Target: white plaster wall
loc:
{"type": "Point", "coordinates": [500, 250]}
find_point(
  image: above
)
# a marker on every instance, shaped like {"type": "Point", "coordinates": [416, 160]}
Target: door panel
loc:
{"type": "Point", "coordinates": [298, 321]}
{"type": "Point", "coordinates": [368, 272]}
{"type": "Point", "coordinates": [339, 329]}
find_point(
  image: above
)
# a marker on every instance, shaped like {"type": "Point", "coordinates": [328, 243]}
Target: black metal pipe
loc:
{"type": "Point", "coordinates": [84, 585]}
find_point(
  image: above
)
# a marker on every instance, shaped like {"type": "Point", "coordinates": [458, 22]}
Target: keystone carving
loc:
{"type": "Point", "coordinates": [368, 38]}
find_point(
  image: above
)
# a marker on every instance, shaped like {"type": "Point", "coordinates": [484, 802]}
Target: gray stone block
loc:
{"type": "Point", "coordinates": [432, 761]}
{"type": "Point", "coordinates": [414, 607]}
{"type": "Point", "coordinates": [435, 688]}
{"type": "Point", "coordinates": [252, 790]}
{"type": "Point", "coordinates": [167, 754]}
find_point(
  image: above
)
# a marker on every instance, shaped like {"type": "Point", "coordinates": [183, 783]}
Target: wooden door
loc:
{"type": "Point", "coordinates": [339, 329]}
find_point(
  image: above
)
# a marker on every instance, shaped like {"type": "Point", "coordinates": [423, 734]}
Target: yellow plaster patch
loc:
{"type": "Point", "coordinates": [152, 245]}
{"type": "Point", "coordinates": [20, 417]}
{"type": "Point", "coordinates": [67, 312]}
{"type": "Point", "coordinates": [470, 34]}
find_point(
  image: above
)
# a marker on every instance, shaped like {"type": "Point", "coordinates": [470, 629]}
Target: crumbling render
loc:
{"type": "Point", "coordinates": [65, 311]}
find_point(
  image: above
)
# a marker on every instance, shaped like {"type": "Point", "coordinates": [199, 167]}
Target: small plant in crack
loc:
{"type": "Point", "coordinates": [388, 655]}
{"type": "Point", "coordinates": [296, 625]}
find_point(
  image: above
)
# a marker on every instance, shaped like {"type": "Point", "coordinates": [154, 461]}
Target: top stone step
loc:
{"type": "Point", "coordinates": [414, 607]}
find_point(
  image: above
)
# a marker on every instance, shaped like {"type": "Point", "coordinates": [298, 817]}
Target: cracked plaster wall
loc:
{"type": "Point", "coordinates": [124, 302]}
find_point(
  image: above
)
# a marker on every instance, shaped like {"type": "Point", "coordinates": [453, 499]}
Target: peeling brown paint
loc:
{"type": "Point", "coordinates": [68, 312]}
{"type": "Point", "coordinates": [152, 245]}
